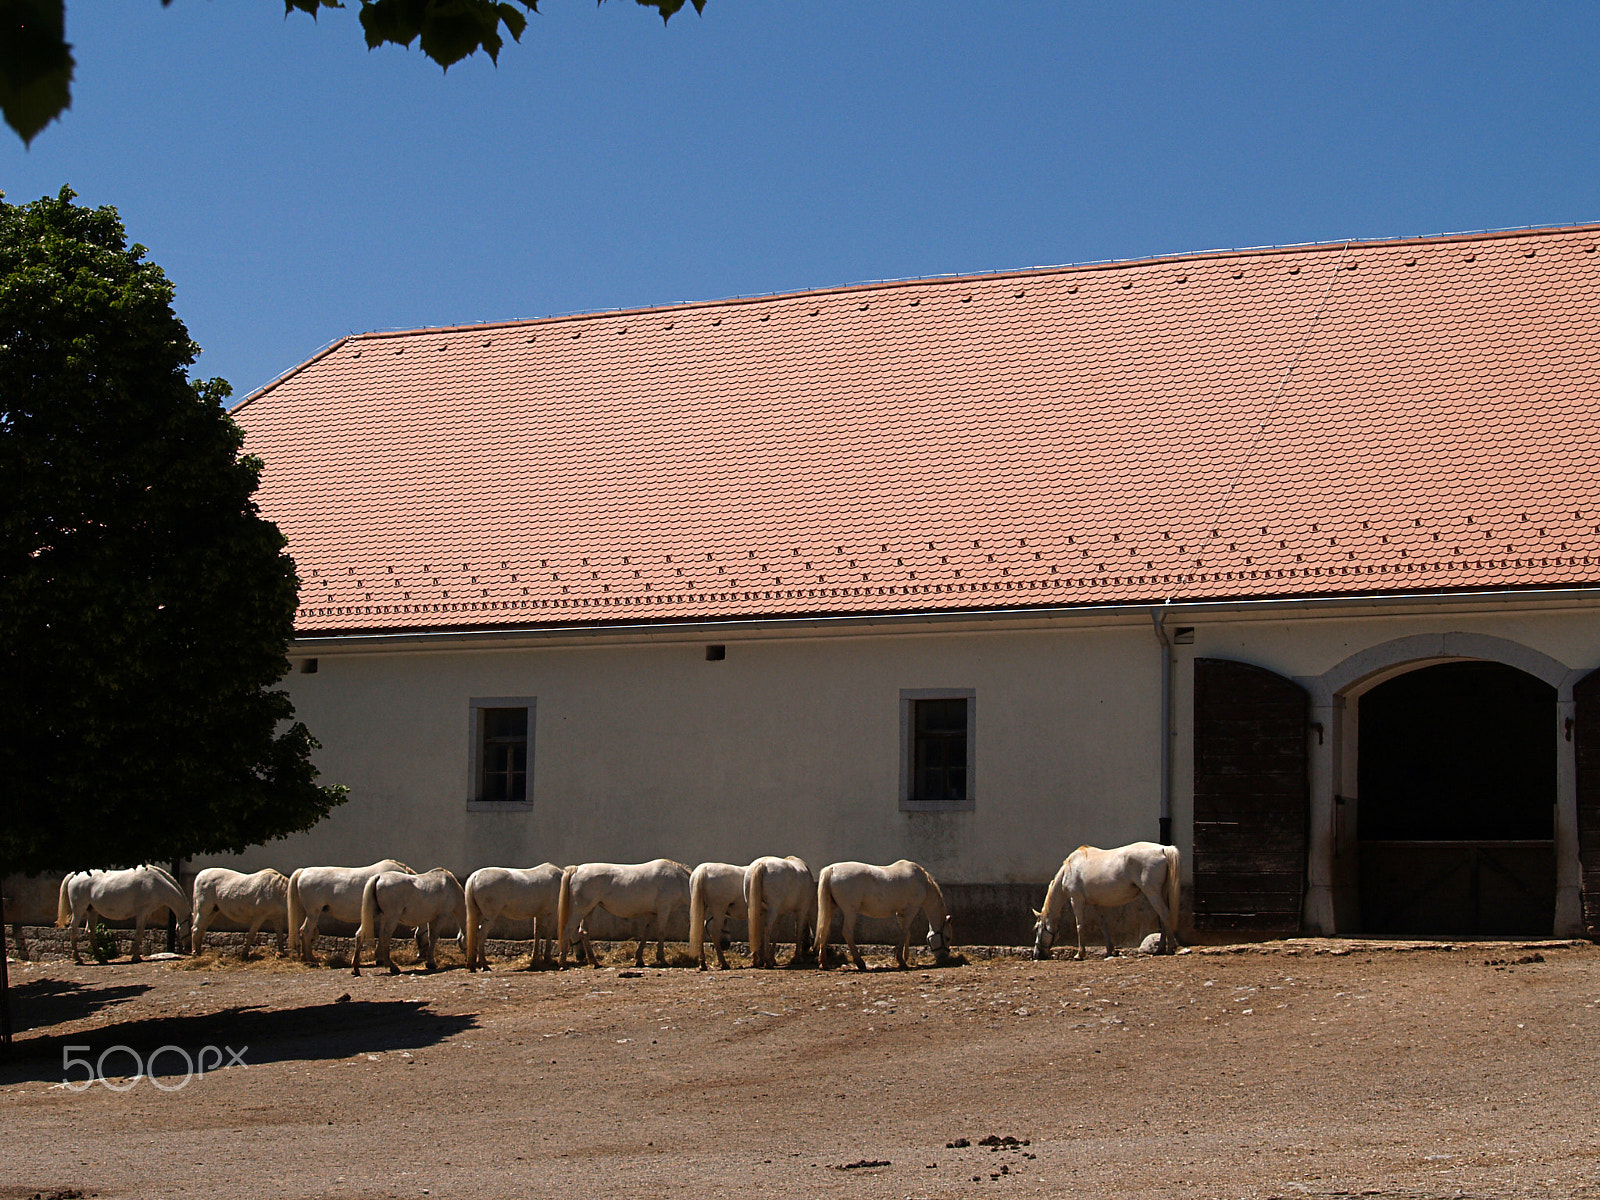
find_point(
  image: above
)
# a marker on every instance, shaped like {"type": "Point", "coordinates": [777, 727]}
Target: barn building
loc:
{"type": "Point", "coordinates": [1289, 556]}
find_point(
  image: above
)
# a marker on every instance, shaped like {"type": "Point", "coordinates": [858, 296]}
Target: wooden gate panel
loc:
{"type": "Point", "coordinates": [1251, 798]}
{"type": "Point", "coordinates": [1586, 745]}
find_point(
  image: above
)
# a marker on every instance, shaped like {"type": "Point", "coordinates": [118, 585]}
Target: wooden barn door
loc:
{"type": "Point", "coordinates": [1586, 744]}
{"type": "Point", "coordinates": [1251, 798]}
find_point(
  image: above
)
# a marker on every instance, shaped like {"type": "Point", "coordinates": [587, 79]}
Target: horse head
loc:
{"type": "Point", "coordinates": [1044, 935]}
{"type": "Point", "coordinates": [939, 940]}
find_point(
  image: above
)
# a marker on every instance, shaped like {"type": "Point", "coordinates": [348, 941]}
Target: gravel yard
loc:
{"type": "Point", "coordinates": [1289, 1069]}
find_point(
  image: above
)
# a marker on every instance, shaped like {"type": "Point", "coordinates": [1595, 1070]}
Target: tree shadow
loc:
{"type": "Point", "coordinates": [248, 1034]}
{"type": "Point", "coordinates": [41, 1003]}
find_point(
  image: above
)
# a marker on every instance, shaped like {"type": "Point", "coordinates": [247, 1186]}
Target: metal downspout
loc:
{"type": "Point", "coordinates": [1158, 618]}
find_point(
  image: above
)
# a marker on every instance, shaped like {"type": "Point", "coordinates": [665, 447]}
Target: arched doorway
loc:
{"type": "Point", "coordinates": [1457, 788]}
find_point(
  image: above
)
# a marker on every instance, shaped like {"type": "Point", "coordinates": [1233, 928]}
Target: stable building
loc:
{"type": "Point", "coordinates": [1288, 556]}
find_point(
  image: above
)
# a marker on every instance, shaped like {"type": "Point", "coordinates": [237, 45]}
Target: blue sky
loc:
{"type": "Point", "coordinates": [297, 187]}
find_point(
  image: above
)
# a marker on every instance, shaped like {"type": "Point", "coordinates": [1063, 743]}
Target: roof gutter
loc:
{"type": "Point", "coordinates": [1317, 607]}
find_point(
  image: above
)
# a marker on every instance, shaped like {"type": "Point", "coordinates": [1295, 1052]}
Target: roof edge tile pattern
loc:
{"type": "Point", "coordinates": [1328, 420]}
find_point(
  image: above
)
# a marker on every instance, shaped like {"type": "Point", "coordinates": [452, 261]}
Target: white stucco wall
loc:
{"type": "Point", "coordinates": [643, 748]}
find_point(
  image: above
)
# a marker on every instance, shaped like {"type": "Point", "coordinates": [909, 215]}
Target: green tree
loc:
{"type": "Point", "coordinates": [145, 605]}
{"type": "Point", "coordinates": [36, 59]}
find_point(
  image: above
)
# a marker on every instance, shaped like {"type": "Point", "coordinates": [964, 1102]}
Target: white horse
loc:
{"type": "Point", "coordinates": [716, 892]}
{"type": "Point", "coordinates": [902, 889]}
{"type": "Point", "coordinates": [29, 900]}
{"type": "Point", "coordinates": [252, 900]}
{"type": "Point", "coordinates": [518, 895]}
{"type": "Point", "coordinates": [138, 893]}
{"type": "Point", "coordinates": [1105, 879]}
{"type": "Point", "coordinates": [772, 887]}
{"type": "Point", "coordinates": [654, 890]}
{"type": "Point", "coordinates": [393, 898]}
{"type": "Point", "coordinates": [316, 892]}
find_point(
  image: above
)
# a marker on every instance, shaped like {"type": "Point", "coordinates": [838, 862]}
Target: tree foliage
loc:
{"type": "Point", "coordinates": [36, 60]}
{"type": "Point", "coordinates": [145, 605]}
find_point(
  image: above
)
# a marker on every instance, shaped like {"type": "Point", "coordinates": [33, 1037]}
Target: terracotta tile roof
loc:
{"type": "Point", "coordinates": [1415, 415]}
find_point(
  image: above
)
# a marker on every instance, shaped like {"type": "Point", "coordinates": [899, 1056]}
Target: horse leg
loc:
{"type": "Point", "coordinates": [433, 940]}
{"type": "Point", "coordinates": [850, 941]}
{"type": "Point", "coordinates": [1105, 928]}
{"type": "Point", "coordinates": [138, 938]}
{"type": "Point", "coordinates": [72, 928]}
{"type": "Point", "coordinates": [250, 936]}
{"type": "Point", "coordinates": [716, 938]}
{"type": "Point", "coordinates": [197, 936]}
{"type": "Point", "coordinates": [1078, 905]}
{"type": "Point", "coordinates": [1168, 920]}
{"type": "Point", "coordinates": [644, 937]}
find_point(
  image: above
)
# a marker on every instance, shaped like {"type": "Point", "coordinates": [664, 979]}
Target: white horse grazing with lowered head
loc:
{"type": "Point", "coordinates": [317, 892]}
{"type": "Point", "coordinates": [772, 887]}
{"type": "Point", "coordinates": [252, 900]}
{"type": "Point", "coordinates": [432, 901]}
{"type": "Point", "coordinates": [902, 889]}
{"type": "Point", "coordinates": [29, 900]}
{"type": "Point", "coordinates": [1106, 879]}
{"type": "Point", "coordinates": [532, 894]}
{"type": "Point", "coordinates": [137, 894]}
{"type": "Point", "coordinates": [716, 892]}
{"type": "Point", "coordinates": [653, 890]}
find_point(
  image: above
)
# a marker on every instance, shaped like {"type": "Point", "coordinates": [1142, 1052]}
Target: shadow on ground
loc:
{"type": "Point", "coordinates": [320, 1031]}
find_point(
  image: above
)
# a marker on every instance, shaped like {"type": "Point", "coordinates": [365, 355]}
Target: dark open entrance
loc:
{"type": "Point", "coordinates": [1457, 777]}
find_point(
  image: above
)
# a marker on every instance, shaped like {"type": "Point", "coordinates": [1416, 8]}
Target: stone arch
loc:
{"type": "Point", "coordinates": [1335, 880]}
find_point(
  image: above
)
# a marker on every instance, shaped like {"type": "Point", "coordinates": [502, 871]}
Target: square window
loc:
{"type": "Point", "coordinates": [937, 729]}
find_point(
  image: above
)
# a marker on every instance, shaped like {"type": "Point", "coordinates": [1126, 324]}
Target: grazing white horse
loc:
{"type": "Point", "coordinates": [30, 900]}
{"type": "Point", "coordinates": [138, 893]}
{"type": "Point", "coordinates": [1106, 879]}
{"type": "Point", "coordinates": [393, 898]}
{"type": "Point", "coordinates": [316, 892]}
{"type": "Point", "coordinates": [902, 889]}
{"type": "Point", "coordinates": [716, 892]}
{"type": "Point", "coordinates": [533, 894]}
{"type": "Point", "coordinates": [772, 887]}
{"type": "Point", "coordinates": [654, 890]}
{"type": "Point", "coordinates": [252, 900]}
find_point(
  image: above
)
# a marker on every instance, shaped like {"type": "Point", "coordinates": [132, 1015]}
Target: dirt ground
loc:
{"type": "Point", "coordinates": [1305, 1068]}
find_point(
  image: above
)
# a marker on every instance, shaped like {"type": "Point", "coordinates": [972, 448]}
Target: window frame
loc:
{"type": "Point", "coordinates": [908, 750]}
{"type": "Point", "coordinates": [476, 707]}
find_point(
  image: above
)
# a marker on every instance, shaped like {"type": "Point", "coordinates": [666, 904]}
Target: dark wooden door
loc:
{"type": "Point", "coordinates": [1251, 798]}
{"type": "Point", "coordinates": [1586, 744]}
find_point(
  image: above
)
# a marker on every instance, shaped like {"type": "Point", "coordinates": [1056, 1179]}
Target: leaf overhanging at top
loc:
{"type": "Point", "coordinates": [36, 64]}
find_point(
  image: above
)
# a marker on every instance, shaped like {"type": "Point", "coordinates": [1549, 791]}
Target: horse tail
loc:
{"type": "Point", "coordinates": [474, 916]}
{"type": "Point", "coordinates": [1173, 888]}
{"type": "Point", "coordinates": [179, 897]}
{"type": "Point", "coordinates": [368, 929]}
{"type": "Point", "coordinates": [297, 913]}
{"type": "Point", "coordinates": [64, 903]}
{"type": "Point", "coordinates": [697, 915]}
{"type": "Point", "coordinates": [458, 896]}
{"type": "Point", "coordinates": [824, 913]}
{"type": "Point", "coordinates": [563, 912]}
{"type": "Point", "coordinates": [755, 902]}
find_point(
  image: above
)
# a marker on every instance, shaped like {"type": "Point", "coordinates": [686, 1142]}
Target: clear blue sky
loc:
{"type": "Point", "coordinates": [298, 188]}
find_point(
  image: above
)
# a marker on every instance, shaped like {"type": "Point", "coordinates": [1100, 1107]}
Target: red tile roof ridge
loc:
{"type": "Point", "coordinates": [870, 286]}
